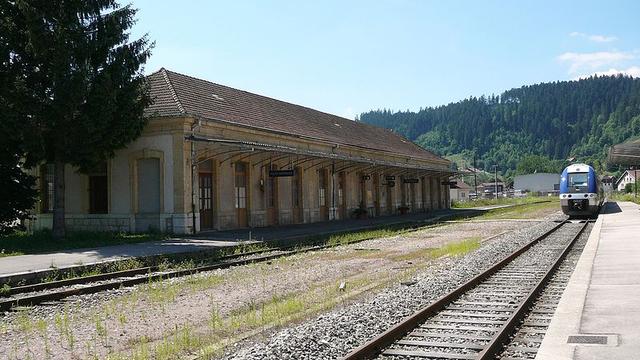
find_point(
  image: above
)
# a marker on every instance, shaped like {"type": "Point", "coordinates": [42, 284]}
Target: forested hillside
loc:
{"type": "Point", "coordinates": [556, 120]}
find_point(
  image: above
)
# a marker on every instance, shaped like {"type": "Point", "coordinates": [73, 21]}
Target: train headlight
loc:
{"type": "Point", "coordinates": [586, 195]}
{"type": "Point", "coordinates": [592, 195]}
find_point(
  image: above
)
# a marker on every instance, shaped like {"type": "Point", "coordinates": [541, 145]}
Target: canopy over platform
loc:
{"type": "Point", "coordinates": [625, 154]}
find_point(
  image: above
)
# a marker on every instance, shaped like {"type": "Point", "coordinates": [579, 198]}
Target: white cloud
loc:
{"type": "Point", "coordinates": [633, 71]}
{"type": "Point", "coordinates": [594, 38]}
{"type": "Point", "coordinates": [592, 61]}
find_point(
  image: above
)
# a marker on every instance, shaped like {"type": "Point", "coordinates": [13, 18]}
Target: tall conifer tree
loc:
{"type": "Point", "coordinates": [80, 80]}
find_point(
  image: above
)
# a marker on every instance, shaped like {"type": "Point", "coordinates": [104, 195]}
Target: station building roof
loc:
{"type": "Point", "coordinates": [625, 154]}
{"type": "Point", "coordinates": [176, 94]}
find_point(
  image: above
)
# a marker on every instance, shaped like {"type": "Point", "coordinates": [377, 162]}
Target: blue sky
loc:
{"type": "Point", "coordinates": [348, 57]}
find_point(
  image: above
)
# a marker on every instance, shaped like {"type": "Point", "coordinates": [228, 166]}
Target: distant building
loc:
{"type": "Point", "coordinates": [460, 191]}
{"type": "Point", "coordinates": [627, 177]}
{"type": "Point", "coordinates": [607, 183]}
{"type": "Point", "coordinates": [488, 189]}
{"type": "Point", "coordinates": [538, 183]}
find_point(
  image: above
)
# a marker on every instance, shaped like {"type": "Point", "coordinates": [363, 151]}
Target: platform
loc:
{"type": "Point", "coordinates": [599, 314]}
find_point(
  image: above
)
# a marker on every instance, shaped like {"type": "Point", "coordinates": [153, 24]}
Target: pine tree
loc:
{"type": "Point", "coordinates": [72, 63]}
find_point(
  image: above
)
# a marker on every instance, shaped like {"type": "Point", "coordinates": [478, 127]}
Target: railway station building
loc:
{"type": "Point", "coordinates": [214, 158]}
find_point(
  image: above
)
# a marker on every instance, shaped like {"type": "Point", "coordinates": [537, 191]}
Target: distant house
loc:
{"type": "Point", "coordinates": [627, 177]}
{"type": "Point", "coordinates": [538, 183]}
{"type": "Point", "coordinates": [460, 191]}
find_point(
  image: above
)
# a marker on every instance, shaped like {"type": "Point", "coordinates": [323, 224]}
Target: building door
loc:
{"type": "Point", "coordinates": [148, 215]}
{"type": "Point", "coordinates": [389, 192]}
{"type": "Point", "coordinates": [296, 195]}
{"type": "Point", "coordinates": [423, 192]}
{"type": "Point", "coordinates": [322, 194]}
{"type": "Point", "coordinates": [206, 190]}
{"type": "Point", "coordinates": [412, 196]}
{"type": "Point", "coordinates": [342, 209]}
{"type": "Point", "coordinates": [241, 184]}
{"type": "Point", "coordinates": [376, 194]}
{"type": "Point", "coordinates": [272, 197]}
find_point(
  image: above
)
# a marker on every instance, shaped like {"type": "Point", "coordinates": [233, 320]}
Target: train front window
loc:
{"type": "Point", "coordinates": [578, 182]}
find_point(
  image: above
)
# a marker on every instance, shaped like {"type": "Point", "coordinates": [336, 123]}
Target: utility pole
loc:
{"type": "Point", "coordinates": [475, 177]}
{"type": "Point", "coordinates": [495, 179]}
{"type": "Point", "coordinates": [635, 182]}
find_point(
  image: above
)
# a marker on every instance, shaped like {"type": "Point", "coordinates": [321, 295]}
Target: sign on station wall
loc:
{"type": "Point", "coordinates": [279, 173]}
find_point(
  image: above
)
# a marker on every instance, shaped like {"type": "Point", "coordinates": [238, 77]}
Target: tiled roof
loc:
{"type": "Point", "coordinates": [176, 94]}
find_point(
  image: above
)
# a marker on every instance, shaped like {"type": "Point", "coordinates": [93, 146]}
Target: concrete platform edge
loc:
{"type": "Point", "coordinates": [568, 316]}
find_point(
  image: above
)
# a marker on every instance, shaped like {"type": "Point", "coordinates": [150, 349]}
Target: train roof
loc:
{"type": "Point", "coordinates": [573, 168]}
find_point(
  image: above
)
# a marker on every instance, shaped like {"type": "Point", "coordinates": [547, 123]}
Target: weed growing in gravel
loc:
{"type": "Point", "coordinates": [101, 330]}
{"type": "Point", "coordinates": [5, 289]}
{"type": "Point", "coordinates": [63, 325]}
{"type": "Point", "coordinates": [172, 346]}
{"type": "Point", "coordinates": [42, 326]}
{"type": "Point", "coordinates": [215, 320]}
{"type": "Point", "coordinates": [122, 319]}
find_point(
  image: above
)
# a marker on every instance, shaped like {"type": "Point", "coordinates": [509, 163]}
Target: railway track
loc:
{"type": "Point", "coordinates": [47, 292]}
{"type": "Point", "coordinates": [479, 319]}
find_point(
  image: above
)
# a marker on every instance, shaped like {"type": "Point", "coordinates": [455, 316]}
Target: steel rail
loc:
{"type": "Point", "coordinates": [374, 346]}
{"type": "Point", "coordinates": [502, 337]}
{"type": "Point", "coordinates": [106, 276]}
{"type": "Point", "coordinates": [224, 262]}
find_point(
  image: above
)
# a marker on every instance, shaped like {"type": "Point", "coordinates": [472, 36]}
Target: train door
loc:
{"type": "Point", "coordinates": [271, 189]}
{"type": "Point", "coordinates": [206, 191]}
{"type": "Point", "coordinates": [241, 187]}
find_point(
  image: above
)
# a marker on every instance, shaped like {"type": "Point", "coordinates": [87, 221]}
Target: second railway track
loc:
{"type": "Point", "coordinates": [479, 319]}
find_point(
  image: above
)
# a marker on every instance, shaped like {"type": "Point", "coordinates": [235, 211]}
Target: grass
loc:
{"type": "Point", "coordinates": [528, 211]}
{"type": "Point", "coordinates": [222, 330]}
{"type": "Point", "coordinates": [616, 196]}
{"type": "Point", "coordinates": [20, 243]}
{"type": "Point", "coordinates": [454, 249]}
{"type": "Point", "coordinates": [499, 201]}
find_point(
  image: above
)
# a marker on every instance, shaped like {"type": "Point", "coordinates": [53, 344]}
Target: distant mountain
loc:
{"type": "Point", "coordinates": [557, 120]}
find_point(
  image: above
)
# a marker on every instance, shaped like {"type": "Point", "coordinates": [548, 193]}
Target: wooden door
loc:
{"type": "Point", "coordinates": [342, 209]}
{"type": "Point", "coordinates": [390, 198]}
{"type": "Point", "coordinates": [271, 189]}
{"type": "Point", "coordinates": [376, 194]}
{"type": "Point", "coordinates": [241, 193]}
{"type": "Point", "coordinates": [206, 200]}
{"type": "Point", "coordinates": [322, 194]}
{"type": "Point", "coordinates": [412, 196]}
{"type": "Point", "coordinates": [296, 195]}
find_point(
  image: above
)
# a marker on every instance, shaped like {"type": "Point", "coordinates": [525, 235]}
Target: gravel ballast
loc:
{"type": "Point", "coordinates": [334, 334]}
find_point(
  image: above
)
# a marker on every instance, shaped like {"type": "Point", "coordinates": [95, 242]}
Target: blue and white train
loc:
{"type": "Point", "coordinates": [580, 191]}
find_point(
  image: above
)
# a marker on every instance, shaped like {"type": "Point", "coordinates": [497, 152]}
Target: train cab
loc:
{"type": "Point", "coordinates": [580, 193]}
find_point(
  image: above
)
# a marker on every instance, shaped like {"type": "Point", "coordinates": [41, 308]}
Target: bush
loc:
{"type": "Point", "coordinates": [629, 188]}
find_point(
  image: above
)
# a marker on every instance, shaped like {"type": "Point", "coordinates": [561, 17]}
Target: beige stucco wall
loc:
{"type": "Point", "coordinates": [164, 139]}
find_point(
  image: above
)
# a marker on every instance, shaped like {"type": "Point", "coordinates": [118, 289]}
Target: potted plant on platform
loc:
{"type": "Point", "coordinates": [360, 213]}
